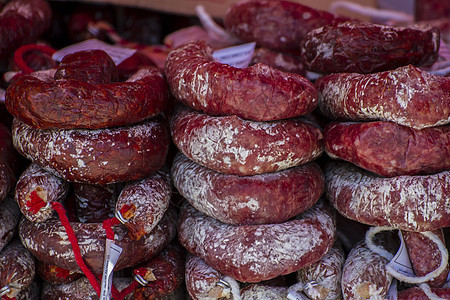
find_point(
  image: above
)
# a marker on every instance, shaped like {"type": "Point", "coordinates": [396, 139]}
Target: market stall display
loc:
{"type": "Point", "coordinates": [306, 174]}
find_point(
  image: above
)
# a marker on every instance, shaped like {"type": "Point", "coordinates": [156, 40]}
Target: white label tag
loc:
{"type": "Point", "coordinates": [112, 253]}
{"type": "Point", "coordinates": [401, 262]}
{"type": "Point", "coordinates": [293, 295]}
{"type": "Point", "coordinates": [236, 56]}
{"type": "Point", "coordinates": [118, 54]}
{"type": "Point", "coordinates": [392, 292]}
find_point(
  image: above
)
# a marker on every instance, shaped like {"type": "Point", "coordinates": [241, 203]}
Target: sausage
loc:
{"type": "Point", "coordinates": [54, 274]}
{"type": "Point", "coordinates": [49, 243]}
{"type": "Point", "coordinates": [95, 203]}
{"type": "Point", "coordinates": [415, 293]}
{"type": "Point", "coordinates": [389, 149]}
{"type": "Point", "coordinates": [80, 289]}
{"type": "Point", "coordinates": [322, 280]}
{"type": "Point", "coordinates": [359, 47]}
{"type": "Point", "coordinates": [44, 100]}
{"type": "Point", "coordinates": [17, 268]}
{"type": "Point", "coordinates": [425, 256]}
{"type": "Point", "coordinates": [411, 203]}
{"type": "Point", "coordinates": [22, 22]}
{"type": "Point", "coordinates": [35, 181]}
{"type": "Point", "coordinates": [9, 219]}
{"type": "Point", "coordinates": [258, 93]}
{"type": "Point", "coordinates": [9, 162]}
{"type": "Point", "coordinates": [257, 291]}
{"type": "Point", "coordinates": [164, 273]}
{"type": "Point", "coordinates": [277, 25]}
{"type": "Point", "coordinates": [406, 95]}
{"type": "Point", "coordinates": [364, 275]}
{"type": "Point", "coordinates": [231, 145]}
{"type": "Point", "coordinates": [252, 253]}
{"type": "Point", "coordinates": [99, 156]}
{"type": "Point", "coordinates": [93, 66]}
{"type": "Point", "coordinates": [256, 199]}
{"type": "Point", "coordinates": [203, 281]}
{"type": "Point", "coordinates": [283, 61]}
{"type": "Point", "coordinates": [141, 204]}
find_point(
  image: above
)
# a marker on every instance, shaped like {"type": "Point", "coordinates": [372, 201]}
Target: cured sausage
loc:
{"type": "Point", "coordinates": [364, 275]}
{"type": "Point", "coordinates": [8, 162]}
{"type": "Point", "coordinates": [411, 203]}
{"type": "Point", "coordinates": [49, 243]}
{"type": "Point", "coordinates": [22, 22]}
{"type": "Point", "coordinates": [425, 256]}
{"type": "Point", "coordinates": [99, 156]}
{"type": "Point", "coordinates": [256, 199]}
{"type": "Point", "coordinates": [93, 66]}
{"type": "Point", "coordinates": [80, 289]}
{"type": "Point", "coordinates": [359, 47]}
{"type": "Point", "coordinates": [17, 269]}
{"type": "Point", "coordinates": [275, 24]}
{"type": "Point", "coordinates": [283, 61]}
{"type": "Point", "coordinates": [259, 291]}
{"type": "Point", "coordinates": [9, 219]}
{"type": "Point", "coordinates": [54, 274]}
{"type": "Point", "coordinates": [258, 93]}
{"type": "Point", "coordinates": [141, 204]}
{"type": "Point", "coordinates": [231, 145]}
{"type": "Point", "coordinates": [322, 280]}
{"type": "Point", "coordinates": [252, 253]}
{"type": "Point", "coordinates": [164, 271]}
{"type": "Point", "coordinates": [203, 281]}
{"type": "Point", "coordinates": [389, 149]}
{"type": "Point", "coordinates": [57, 98]}
{"type": "Point", "coordinates": [407, 96]}
{"type": "Point", "coordinates": [35, 181]}
{"type": "Point", "coordinates": [416, 293]}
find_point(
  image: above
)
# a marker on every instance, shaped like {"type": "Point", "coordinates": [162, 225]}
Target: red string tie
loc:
{"type": "Point", "coordinates": [36, 203]}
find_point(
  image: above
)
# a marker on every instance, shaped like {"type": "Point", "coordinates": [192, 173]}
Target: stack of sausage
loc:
{"type": "Point", "coordinates": [391, 149]}
{"type": "Point", "coordinates": [397, 144]}
{"type": "Point", "coordinates": [246, 167]}
{"type": "Point", "coordinates": [98, 145]}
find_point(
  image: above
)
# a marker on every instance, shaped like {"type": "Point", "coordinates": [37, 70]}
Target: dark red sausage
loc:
{"type": "Point", "coordinates": [275, 24]}
{"type": "Point", "coordinates": [357, 47]}
{"type": "Point", "coordinates": [259, 92]}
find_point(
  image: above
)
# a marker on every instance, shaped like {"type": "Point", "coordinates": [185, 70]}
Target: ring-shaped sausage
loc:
{"type": "Point", "coordinates": [411, 203]}
{"type": "Point", "coordinates": [48, 242]}
{"type": "Point", "coordinates": [231, 145]}
{"type": "Point", "coordinates": [362, 47]}
{"type": "Point", "coordinates": [407, 96]}
{"type": "Point", "coordinates": [389, 149]}
{"type": "Point", "coordinates": [258, 93]}
{"type": "Point", "coordinates": [256, 199]}
{"type": "Point", "coordinates": [253, 253]}
{"type": "Point", "coordinates": [98, 156]}
{"type": "Point", "coordinates": [67, 97]}
{"type": "Point", "coordinates": [279, 25]}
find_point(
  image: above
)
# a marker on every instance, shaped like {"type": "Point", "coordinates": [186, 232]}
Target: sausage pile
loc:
{"type": "Point", "coordinates": [297, 177]}
{"type": "Point", "coordinates": [234, 167]}
{"type": "Point", "coordinates": [92, 137]}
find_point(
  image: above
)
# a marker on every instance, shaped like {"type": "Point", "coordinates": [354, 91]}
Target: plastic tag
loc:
{"type": "Point", "coordinates": [112, 254]}
{"type": "Point", "coordinates": [118, 54]}
{"type": "Point", "coordinates": [392, 292]}
{"type": "Point", "coordinates": [401, 262]}
{"type": "Point", "coordinates": [293, 295]}
{"type": "Point", "coordinates": [236, 56]}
